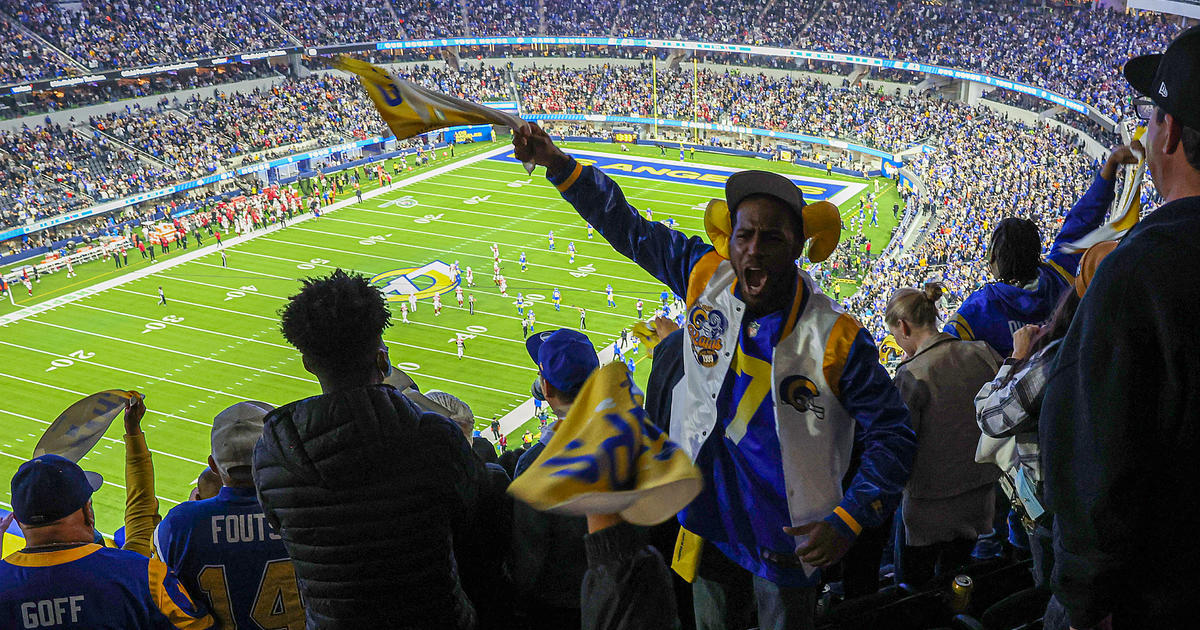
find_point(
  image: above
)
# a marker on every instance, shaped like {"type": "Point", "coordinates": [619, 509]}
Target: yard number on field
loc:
{"type": "Point", "coordinates": [65, 362]}
{"type": "Point", "coordinates": [237, 294]}
{"type": "Point", "coordinates": [152, 326]}
{"type": "Point", "coordinates": [312, 264]}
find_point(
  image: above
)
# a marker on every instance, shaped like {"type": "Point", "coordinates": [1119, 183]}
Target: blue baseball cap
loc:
{"type": "Point", "coordinates": [565, 357]}
{"type": "Point", "coordinates": [51, 487]}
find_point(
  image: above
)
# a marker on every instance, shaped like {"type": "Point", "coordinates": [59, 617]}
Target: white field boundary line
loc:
{"type": "Point", "coordinates": [42, 307]}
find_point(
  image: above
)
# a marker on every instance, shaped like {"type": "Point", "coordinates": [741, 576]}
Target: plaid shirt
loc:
{"type": "Point", "coordinates": [1009, 405]}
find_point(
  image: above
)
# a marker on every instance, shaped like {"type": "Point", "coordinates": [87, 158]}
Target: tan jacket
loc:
{"type": "Point", "coordinates": [939, 384]}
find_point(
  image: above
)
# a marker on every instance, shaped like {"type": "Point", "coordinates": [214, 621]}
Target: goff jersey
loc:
{"type": "Point", "coordinates": [93, 587]}
{"type": "Point", "coordinates": [227, 555]}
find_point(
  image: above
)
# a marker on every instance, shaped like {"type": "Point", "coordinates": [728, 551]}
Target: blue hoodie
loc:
{"type": "Point", "coordinates": [996, 311]}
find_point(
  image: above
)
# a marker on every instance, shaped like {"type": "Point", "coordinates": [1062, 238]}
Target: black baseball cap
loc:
{"type": "Point", "coordinates": [1171, 78]}
{"type": "Point", "coordinates": [747, 183]}
{"type": "Point", "coordinates": [49, 488]}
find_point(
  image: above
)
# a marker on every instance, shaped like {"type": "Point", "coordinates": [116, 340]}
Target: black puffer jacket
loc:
{"type": "Point", "coordinates": [366, 491]}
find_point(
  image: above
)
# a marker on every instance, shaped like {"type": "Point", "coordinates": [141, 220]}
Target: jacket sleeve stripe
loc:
{"type": "Point", "coordinates": [1062, 272]}
{"type": "Point", "coordinates": [961, 328]}
{"type": "Point", "coordinates": [848, 520]}
{"type": "Point", "coordinates": [702, 272]}
{"type": "Point", "coordinates": [570, 180]}
{"type": "Point", "coordinates": [841, 337]}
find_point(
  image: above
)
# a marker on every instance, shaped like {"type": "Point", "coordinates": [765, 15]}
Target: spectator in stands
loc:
{"type": "Point", "coordinates": [62, 578]}
{"type": "Point", "coordinates": [1118, 423]}
{"type": "Point", "coordinates": [745, 462]}
{"type": "Point", "coordinates": [949, 500]}
{"type": "Point", "coordinates": [548, 556]}
{"type": "Point", "coordinates": [1027, 287]}
{"type": "Point", "coordinates": [1007, 411]}
{"type": "Point", "coordinates": [364, 488]}
{"type": "Point", "coordinates": [225, 541]}
{"type": "Point", "coordinates": [208, 485]}
{"type": "Point", "coordinates": [478, 547]}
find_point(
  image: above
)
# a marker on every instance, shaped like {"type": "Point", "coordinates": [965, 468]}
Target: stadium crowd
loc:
{"type": "Point", "coordinates": [1074, 50]}
{"type": "Point", "coordinates": [1056, 404]}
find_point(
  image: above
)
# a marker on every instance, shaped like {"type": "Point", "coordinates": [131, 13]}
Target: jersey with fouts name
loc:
{"type": "Point", "coordinates": [93, 587]}
{"type": "Point", "coordinates": [227, 556]}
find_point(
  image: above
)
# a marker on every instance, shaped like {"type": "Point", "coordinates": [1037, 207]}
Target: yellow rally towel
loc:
{"type": "Point", "coordinates": [606, 457]}
{"type": "Point", "coordinates": [1125, 214]}
{"type": "Point", "coordinates": [81, 426]}
{"type": "Point", "coordinates": [686, 560]}
{"type": "Point", "coordinates": [410, 110]}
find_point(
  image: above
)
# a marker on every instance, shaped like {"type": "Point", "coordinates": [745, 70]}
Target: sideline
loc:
{"type": "Point", "coordinates": [48, 305]}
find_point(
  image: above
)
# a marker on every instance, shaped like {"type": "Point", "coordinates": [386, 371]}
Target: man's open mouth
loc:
{"type": "Point", "coordinates": [754, 279]}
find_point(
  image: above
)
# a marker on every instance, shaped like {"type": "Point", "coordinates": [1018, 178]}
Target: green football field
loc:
{"type": "Point", "coordinates": [216, 341]}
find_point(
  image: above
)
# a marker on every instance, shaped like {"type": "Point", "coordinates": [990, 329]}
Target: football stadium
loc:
{"type": "Point", "coordinates": [533, 315]}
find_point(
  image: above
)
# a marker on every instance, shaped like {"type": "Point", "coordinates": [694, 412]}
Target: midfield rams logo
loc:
{"type": "Point", "coordinates": [705, 327]}
{"type": "Point", "coordinates": [800, 393]}
{"type": "Point", "coordinates": [426, 282]}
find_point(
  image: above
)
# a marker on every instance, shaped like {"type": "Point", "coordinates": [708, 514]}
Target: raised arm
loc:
{"type": "Point", "coordinates": [1088, 213]}
{"type": "Point", "coordinates": [664, 253]}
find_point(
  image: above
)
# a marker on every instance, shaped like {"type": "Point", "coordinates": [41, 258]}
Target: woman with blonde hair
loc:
{"type": "Point", "coordinates": [949, 499]}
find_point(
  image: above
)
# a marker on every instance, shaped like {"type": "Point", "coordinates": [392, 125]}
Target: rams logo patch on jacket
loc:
{"type": "Point", "coordinates": [705, 327]}
{"type": "Point", "coordinates": [801, 393]}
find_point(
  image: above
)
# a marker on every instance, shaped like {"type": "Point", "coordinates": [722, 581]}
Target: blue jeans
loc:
{"type": "Point", "coordinates": [731, 604]}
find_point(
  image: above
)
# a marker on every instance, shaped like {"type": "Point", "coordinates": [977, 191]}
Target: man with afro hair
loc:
{"type": "Point", "coordinates": [365, 489]}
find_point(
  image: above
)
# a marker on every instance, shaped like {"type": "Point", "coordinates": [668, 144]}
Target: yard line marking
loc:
{"type": "Point", "coordinates": [113, 367]}
{"type": "Point", "coordinates": [203, 330]}
{"type": "Point", "coordinates": [156, 452]}
{"type": "Point", "coordinates": [460, 238]}
{"type": "Point", "coordinates": [572, 212]}
{"type": "Point", "coordinates": [476, 290]}
{"type": "Point", "coordinates": [35, 309]}
{"type": "Point", "coordinates": [180, 352]}
{"type": "Point", "coordinates": [82, 394]}
{"type": "Point", "coordinates": [619, 259]}
{"type": "Point", "coordinates": [422, 374]}
{"type": "Point", "coordinates": [106, 481]}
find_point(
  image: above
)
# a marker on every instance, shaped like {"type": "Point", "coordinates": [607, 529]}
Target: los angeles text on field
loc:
{"type": "Point", "coordinates": [814, 188]}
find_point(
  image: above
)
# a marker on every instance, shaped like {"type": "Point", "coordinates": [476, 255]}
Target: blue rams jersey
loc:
{"type": "Point", "coordinates": [742, 507]}
{"type": "Point", "coordinates": [996, 311]}
{"type": "Point", "coordinates": [227, 555]}
{"type": "Point", "coordinates": [94, 588]}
